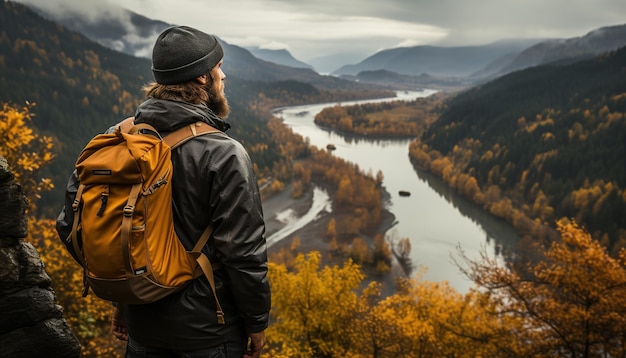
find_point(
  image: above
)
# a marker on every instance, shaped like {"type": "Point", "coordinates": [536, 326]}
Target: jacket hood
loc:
{"type": "Point", "coordinates": [167, 115]}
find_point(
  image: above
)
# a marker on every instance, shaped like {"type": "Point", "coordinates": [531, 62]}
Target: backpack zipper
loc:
{"type": "Point", "coordinates": [157, 184]}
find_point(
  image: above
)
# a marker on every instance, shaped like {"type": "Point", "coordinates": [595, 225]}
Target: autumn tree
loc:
{"type": "Point", "coordinates": [381, 254]}
{"type": "Point", "coordinates": [26, 152]}
{"type": "Point", "coordinates": [431, 319]}
{"type": "Point", "coordinates": [319, 312]}
{"type": "Point", "coordinates": [573, 300]}
{"type": "Point", "coordinates": [331, 230]}
{"type": "Point", "coordinates": [312, 307]}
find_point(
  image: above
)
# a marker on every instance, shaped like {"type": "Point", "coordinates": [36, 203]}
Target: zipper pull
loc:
{"type": "Point", "coordinates": [104, 198]}
{"type": "Point", "coordinates": [152, 188]}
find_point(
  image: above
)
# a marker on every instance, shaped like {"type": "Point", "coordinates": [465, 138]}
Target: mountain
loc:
{"type": "Point", "coordinates": [243, 64]}
{"type": "Point", "coordinates": [593, 43]}
{"type": "Point", "coordinates": [79, 87]}
{"type": "Point", "coordinates": [437, 61]}
{"type": "Point", "coordinates": [126, 32]}
{"type": "Point", "coordinates": [329, 63]}
{"type": "Point", "coordinates": [134, 35]}
{"type": "Point", "coordinates": [549, 138]}
{"type": "Point", "coordinates": [281, 57]}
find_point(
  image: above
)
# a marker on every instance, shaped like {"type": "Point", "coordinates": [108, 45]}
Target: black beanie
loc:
{"type": "Point", "coordinates": [182, 53]}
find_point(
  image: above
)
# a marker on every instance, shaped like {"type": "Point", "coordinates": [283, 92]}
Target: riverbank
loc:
{"type": "Point", "coordinates": [313, 233]}
{"type": "Point", "coordinates": [312, 236]}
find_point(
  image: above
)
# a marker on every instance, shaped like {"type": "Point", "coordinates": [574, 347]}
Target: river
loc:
{"type": "Point", "coordinates": [433, 217]}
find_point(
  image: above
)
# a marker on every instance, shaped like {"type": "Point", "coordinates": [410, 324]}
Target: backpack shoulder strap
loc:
{"type": "Point", "coordinates": [188, 132]}
{"type": "Point", "coordinates": [175, 139]}
{"type": "Point", "coordinates": [126, 124]}
{"type": "Point", "coordinates": [178, 136]}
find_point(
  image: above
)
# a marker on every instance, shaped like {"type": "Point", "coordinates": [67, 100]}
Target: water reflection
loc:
{"type": "Point", "coordinates": [498, 233]}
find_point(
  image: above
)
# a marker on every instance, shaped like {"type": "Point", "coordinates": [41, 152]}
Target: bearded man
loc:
{"type": "Point", "coordinates": [213, 183]}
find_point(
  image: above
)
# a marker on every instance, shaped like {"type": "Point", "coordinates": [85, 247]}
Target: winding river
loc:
{"type": "Point", "coordinates": [433, 217]}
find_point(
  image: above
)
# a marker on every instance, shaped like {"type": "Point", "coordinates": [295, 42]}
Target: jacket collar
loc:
{"type": "Point", "coordinates": [167, 115]}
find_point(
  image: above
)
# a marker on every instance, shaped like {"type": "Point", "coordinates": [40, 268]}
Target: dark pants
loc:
{"type": "Point", "coordinates": [233, 349]}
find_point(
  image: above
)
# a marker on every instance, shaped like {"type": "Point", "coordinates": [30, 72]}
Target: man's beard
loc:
{"type": "Point", "coordinates": [217, 101]}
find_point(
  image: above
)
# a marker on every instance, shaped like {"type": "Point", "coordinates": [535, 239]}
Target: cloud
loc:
{"type": "Point", "coordinates": [314, 27]}
{"type": "Point", "coordinates": [308, 33]}
{"type": "Point", "coordinates": [274, 45]}
{"type": "Point", "coordinates": [90, 11]}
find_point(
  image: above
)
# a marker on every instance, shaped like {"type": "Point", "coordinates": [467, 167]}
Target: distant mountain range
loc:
{"type": "Point", "coordinates": [135, 35]}
{"type": "Point", "coordinates": [281, 57]}
{"type": "Point", "coordinates": [593, 43]}
{"type": "Point", "coordinates": [484, 62]}
{"type": "Point", "coordinates": [437, 61]}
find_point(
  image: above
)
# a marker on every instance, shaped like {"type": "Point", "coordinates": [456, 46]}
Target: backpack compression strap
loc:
{"type": "Point", "coordinates": [76, 226]}
{"type": "Point", "coordinates": [74, 237]}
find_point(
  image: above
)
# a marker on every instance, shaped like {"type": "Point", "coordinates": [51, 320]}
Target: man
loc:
{"type": "Point", "coordinates": [213, 183]}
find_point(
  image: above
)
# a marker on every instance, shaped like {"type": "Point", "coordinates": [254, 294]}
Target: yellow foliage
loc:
{"type": "Point", "coordinates": [311, 307]}
{"type": "Point", "coordinates": [25, 151]}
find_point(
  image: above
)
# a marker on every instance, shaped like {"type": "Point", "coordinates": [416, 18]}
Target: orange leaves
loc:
{"type": "Point", "coordinates": [574, 293]}
{"type": "Point", "coordinates": [25, 151]}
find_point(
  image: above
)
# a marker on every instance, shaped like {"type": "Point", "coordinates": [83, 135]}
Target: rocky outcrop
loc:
{"type": "Point", "coordinates": [31, 323]}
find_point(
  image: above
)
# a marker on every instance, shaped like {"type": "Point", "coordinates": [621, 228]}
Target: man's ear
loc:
{"type": "Point", "coordinates": [203, 80]}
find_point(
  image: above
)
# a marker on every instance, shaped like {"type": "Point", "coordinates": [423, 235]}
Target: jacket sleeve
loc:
{"type": "Point", "coordinates": [240, 236]}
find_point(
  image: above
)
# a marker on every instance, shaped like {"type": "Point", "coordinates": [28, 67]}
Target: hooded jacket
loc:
{"type": "Point", "coordinates": [213, 183]}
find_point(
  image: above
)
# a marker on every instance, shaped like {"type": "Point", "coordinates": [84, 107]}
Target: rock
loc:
{"type": "Point", "coordinates": [13, 221]}
{"type": "Point", "coordinates": [32, 324]}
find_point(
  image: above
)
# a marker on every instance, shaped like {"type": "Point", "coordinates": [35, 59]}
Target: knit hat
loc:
{"type": "Point", "coordinates": [182, 53]}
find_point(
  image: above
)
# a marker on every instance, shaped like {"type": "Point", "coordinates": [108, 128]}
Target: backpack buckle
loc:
{"type": "Point", "coordinates": [128, 210]}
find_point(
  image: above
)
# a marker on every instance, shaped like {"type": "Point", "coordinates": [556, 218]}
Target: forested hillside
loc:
{"type": "Point", "coordinates": [81, 88]}
{"type": "Point", "coordinates": [539, 145]}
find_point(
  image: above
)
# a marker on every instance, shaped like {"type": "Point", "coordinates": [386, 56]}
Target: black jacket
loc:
{"type": "Point", "coordinates": [213, 182]}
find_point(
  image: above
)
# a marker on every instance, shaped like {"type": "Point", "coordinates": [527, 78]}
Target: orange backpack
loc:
{"type": "Point", "coordinates": [123, 229]}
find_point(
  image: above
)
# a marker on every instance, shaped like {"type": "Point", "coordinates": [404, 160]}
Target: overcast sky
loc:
{"type": "Point", "coordinates": [313, 28]}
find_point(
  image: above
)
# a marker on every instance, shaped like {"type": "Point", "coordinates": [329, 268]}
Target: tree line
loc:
{"type": "Point", "coordinates": [385, 119]}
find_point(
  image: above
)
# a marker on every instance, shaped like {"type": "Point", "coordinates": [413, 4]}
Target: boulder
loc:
{"type": "Point", "coordinates": [32, 324]}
